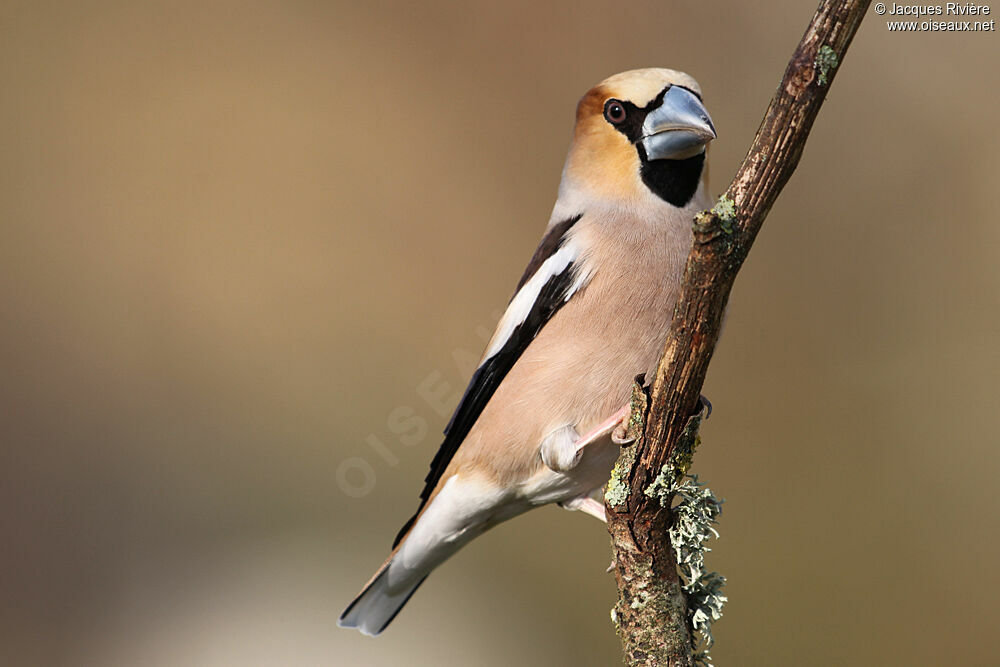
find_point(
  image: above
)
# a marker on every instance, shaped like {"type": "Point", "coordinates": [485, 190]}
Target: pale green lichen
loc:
{"type": "Point", "coordinates": [616, 493]}
{"type": "Point", "coordinates": [663, 486]}
{"type": "Point", "coordinates": [700, 592]}
{"type": "Point", "coordinates": [725, 209]}
{"type": "Point", "coordinates": [694, 520]}
{"type": "Point", "coordinates": [686, 446]}
{"type": "Point", "coordinates": [826, 60]}
{"type": "Point", "coordinates": [693, 523]}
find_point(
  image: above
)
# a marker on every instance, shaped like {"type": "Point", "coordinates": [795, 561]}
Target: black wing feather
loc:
{"type": "Point", "coordinates": [491, 372]}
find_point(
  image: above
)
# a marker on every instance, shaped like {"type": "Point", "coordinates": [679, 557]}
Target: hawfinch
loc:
{"type": "Point", "coordinates": [537, 423]}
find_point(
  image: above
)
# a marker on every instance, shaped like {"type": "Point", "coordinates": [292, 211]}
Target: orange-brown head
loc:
{"type": "Point", "coordinates": [638, 132]}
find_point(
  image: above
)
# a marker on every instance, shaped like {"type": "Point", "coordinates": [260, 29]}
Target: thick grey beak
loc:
{"type": "Point", "coordinates": [677, 129]}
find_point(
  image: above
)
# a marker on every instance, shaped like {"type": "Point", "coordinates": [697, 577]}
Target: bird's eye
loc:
{"type": "Point", "coordinates": [614, 111]}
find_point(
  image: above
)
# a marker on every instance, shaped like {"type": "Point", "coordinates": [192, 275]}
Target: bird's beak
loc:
{"type": "Point", "coordinates": [677, 129]}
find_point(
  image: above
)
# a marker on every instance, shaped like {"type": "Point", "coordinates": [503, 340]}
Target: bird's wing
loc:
{"type": "Point", "coordinates": [552, 277]}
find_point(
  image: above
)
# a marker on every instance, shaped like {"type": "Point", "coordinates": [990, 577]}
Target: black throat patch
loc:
{"type": "Point", "coordinates": [674, 181]}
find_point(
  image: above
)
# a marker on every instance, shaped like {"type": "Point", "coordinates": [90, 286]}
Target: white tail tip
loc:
{"type": "Point", "coordinates": [375, 607]}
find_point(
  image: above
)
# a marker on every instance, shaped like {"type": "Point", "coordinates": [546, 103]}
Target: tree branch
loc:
{"type": "Point", "coordinates": [652, 613]}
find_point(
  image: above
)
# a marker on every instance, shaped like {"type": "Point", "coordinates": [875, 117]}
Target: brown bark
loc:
{"type": "Point", "coordinates": [651, 612]}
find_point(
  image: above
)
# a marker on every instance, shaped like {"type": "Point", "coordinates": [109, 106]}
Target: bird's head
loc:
{"type": "Point", "coordinates": [638, 132]}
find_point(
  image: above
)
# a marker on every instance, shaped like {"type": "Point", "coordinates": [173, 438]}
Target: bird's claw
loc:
{"type": "Point", "coordinates": [704, 405]}
{"type": "Point", "coordinates": [620, 435]}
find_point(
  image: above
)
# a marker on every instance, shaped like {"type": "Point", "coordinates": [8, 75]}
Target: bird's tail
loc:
{"type": "Point", "coordinates": [458, 513]}
{"type": "Point", "coordinates": [379, 602]}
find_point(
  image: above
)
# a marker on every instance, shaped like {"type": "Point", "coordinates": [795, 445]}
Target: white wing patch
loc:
{"type": "Point", "coordinates": [522, 303]}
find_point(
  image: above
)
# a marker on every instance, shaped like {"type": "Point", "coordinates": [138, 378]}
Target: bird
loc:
{"type": "Point", "coordinates": [540, 421]}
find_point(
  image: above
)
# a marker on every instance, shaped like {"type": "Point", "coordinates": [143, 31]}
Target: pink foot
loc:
{"type": "Point", "coordinates": [605, 427]}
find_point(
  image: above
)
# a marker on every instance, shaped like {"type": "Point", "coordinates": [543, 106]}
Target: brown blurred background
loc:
{"type": "Point", "coordinates": [238, 237]}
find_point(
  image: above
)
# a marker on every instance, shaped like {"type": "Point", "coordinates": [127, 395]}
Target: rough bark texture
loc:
{"type": "Point", "coordinates": [651, 613]}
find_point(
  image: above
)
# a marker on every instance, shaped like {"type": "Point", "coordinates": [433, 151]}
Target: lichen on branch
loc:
{"type": "Point", "coordinates": [656, 632]}
{"type": "Point", "coordinates": [694, 523]}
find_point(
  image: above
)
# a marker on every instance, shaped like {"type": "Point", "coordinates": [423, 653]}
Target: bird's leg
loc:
{"type": "Point", "coordinates": [562, 449]}
{"type": "Point", "coordinates": [609, 425]}
{"type": "Point", "coordinates": [587, 505]}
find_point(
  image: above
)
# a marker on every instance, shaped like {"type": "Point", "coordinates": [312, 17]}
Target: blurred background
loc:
{"type": "Point", "coordinates": [242, 243]}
